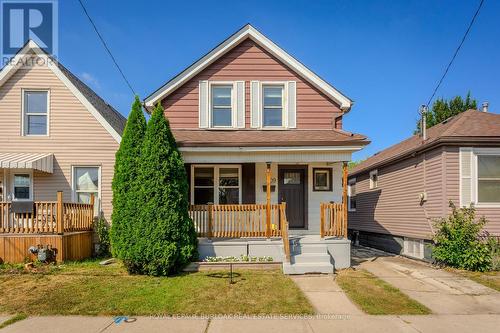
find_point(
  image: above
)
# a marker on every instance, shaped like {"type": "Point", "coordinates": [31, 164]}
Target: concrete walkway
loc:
{"type": "Point", "coordinates": [441, 291]}
{"type": "Point", "coordinates": [350, 323]}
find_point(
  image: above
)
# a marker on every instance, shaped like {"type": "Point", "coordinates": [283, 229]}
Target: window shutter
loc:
{"type": "Point", "coordinates": [203, 104]}
{"type": "Point", "coordinates": [292, 104]}
{"type": "Point", "coordinates": [254, 104]}
{"type": "Point", "coordinates": [465, 176]}
{"type": "Point", "coordinates": [239, 87]}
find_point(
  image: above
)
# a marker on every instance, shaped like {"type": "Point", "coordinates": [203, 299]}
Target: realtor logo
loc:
{"type": "Point", "coordinates": [23, 20]}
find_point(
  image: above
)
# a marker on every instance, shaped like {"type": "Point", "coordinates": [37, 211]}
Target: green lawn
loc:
{"type": "Point", "coordinates": [90, 289]}
{"type": "Point", "coordinates": [375, 296]}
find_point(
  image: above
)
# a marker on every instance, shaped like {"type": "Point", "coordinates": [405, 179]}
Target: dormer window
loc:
{"type": "Point", "coordinates": [221, 105]}
{"type": "Point", "coordinates": [272, 105]}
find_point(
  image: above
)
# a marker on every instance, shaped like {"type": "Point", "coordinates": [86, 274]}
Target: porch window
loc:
{"type": "Point", "coordinates": [35, 113]}
{"type": "Point", "coordinates": [222, 109]}
{"type": "Point", "coordinates": [87, 182]}
{"type": "Point", "coordinates": [351, 195]}
{"type": "Point", "coordinates": [488, 178]}
{"type": "Point", "coordinates": [322, 179]}
{"type": "Point", "coordinates": [219, 184]}
{"type": "Point", "coordinates": [272, 105]}
{"type": "Point", "coordinates": [22, 186]}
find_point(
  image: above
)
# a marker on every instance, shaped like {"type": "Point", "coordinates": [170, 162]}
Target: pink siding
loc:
{"type": "Point", "coordinates": [394, 207]}
{"type": "Point", "coordinates": [248, 61]}
{"type": "Point", "coordinates": [453, 190]}
{"type": "Point", "coordinates": [76, 137]}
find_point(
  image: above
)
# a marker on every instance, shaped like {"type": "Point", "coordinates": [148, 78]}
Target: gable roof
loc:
{"type": "Point", "coordinates": [248, 31]}
{"type": "Point", "coordinates": [471, 126]}
{"type": "Point", "coordinates": [105, 114]}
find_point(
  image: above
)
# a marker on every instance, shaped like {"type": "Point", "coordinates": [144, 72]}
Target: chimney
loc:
{"type": "Point", "coordinates": [485, 106]}
{"type": "Point", "coordinates": [423, 123]}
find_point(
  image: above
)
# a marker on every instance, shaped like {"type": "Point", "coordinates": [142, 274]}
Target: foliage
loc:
{"type": "Point", "coordinates": [164, 235]}
{"type": "Point", "coordinates": [352, 164]}
{"type": "Point", "coordinates": [102, 230]}
{"type": "Point", "coordinates": [459, 243]}
{"type": "Point", "coordinates": [125, 182]}
{"type": "Point", "coordinates": [241, 258]}
{"type": "Point", "coordinates": [443, 109]}
{"type": "Point", "coordinates": [494, 245]}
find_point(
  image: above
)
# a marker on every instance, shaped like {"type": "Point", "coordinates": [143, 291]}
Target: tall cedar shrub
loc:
{"type": "Point", "coordinates": [459, 241]}
{"type": "Point", "coordinates": [125, 182]}
{"type": "Point", "coordinates": [166, 238]}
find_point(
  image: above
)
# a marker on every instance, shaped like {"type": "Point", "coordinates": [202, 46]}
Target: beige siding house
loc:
{"type": "Point", "coordinates": [395, 195]}
{"type": "Point", "coordinates": [56, 134]}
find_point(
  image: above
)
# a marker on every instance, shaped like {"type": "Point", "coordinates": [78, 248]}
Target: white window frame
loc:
{"type": "Point", "coordinates": [373, 184]}
{"type": "Point", "coordinates": [476, 152]}
{"type": "Point", "coordinates": [74, 196]}
{"type": "Point", "coordinates": [216, 186]}
{"type": "Point", "coordinates": [234, 114]}
{"type": "Point", "coordinates": [284, 97]}
{"type": "Point", "coordinates": [15, 172]}
{"type": "Point", "coordinates": [24, 114]}
{"type": "Point", "coordinates": [350, 182]}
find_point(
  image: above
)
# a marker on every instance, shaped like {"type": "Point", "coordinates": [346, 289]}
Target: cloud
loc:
{"type": "Point", "coordinates": [90, 80]}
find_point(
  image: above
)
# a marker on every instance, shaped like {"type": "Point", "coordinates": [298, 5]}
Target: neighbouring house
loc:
{"type": "Point", "coordinates": [257, 129]}
{"type": "Point", "coordinates": [395, 195]}
{"type": "Point", "coordinates": [56, 135]}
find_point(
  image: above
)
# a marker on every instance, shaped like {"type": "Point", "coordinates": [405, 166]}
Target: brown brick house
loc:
{"type": "Point", "coordinates": [256, 127]}
{"type": "Point", "coordinates": [395, 195]}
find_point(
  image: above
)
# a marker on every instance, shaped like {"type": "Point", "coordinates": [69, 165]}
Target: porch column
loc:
{"type": "Point", "coordinates": [268, 199]}
{"type": "Point", "coordinates": [344, 196]}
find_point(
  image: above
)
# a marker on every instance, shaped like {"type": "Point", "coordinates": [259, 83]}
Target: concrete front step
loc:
{"type": "Point", "coordinates": [318, 258]}
{"type": "Point", "coordinates": [305, 268]}
{"type": "Point", "coordinates": [308, 248]}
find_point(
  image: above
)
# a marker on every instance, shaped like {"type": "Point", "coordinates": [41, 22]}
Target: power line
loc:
{"type": "Point", "coordinates": [456, 52]}
{"type": "Point", "coordinates": [106, 47]}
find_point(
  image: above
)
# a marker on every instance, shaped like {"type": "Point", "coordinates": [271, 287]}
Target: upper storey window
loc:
{"type": "Point", "coordinates": [221, 105]}
{"type": "Point", "coordinates": [272, 105]}
{"type": "Point", "coordinates": [35, 113]}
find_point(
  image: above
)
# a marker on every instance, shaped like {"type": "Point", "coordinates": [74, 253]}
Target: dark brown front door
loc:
{"type": "Point", "coordinates": [292, 189]}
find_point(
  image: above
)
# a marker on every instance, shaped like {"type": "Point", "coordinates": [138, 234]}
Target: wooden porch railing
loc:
{"type": "Point", "coordinates": [284, 232]}
{"type": "Point", "coordinates": [246, 220]}
{"type": "Point", "coordinates": [48, 217]}
{"type": "Point", "coordinates": [333, 221]}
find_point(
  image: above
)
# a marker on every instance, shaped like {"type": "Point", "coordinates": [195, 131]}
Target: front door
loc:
{"type": "Point", "coordinates": [292, 189]}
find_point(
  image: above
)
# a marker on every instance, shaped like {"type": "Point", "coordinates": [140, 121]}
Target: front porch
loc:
{"type": "Point", "coordinates": [64, 226]}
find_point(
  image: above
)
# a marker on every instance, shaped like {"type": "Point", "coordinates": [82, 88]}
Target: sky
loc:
{"type": "Point", "coordinates": [387, 56]}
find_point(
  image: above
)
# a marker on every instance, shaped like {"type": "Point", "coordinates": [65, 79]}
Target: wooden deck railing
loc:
{"type": "Point", "coordinates": [246, 220]}
{"type": "Point", "coordinates": [48, 217]}
{"type": "Point", "coordinates": [333, 220]}
{"type": "Point", "coordinates": [284, 232]}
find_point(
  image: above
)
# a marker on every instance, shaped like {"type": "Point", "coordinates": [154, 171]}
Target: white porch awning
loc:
{"type": "Point", "coordinates": [37, 161]}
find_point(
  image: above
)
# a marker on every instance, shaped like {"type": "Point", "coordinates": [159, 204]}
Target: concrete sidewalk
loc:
{"type": "Point", "coordinates": [348, 323]}
{"type": "Point", "coordinates": [441, 291]}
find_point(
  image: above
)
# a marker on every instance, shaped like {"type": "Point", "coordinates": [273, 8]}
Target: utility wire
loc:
{"type": "Point", "coordinates": [456, 52]}
{"type": "Point", "coordinates": [106, 47]}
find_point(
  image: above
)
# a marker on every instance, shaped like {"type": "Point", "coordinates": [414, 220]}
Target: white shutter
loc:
{"type": "Point", "coordinates": [203, 104]}
{"type": "Point", "coordinates": [254, 104]}
{"type": "Point", "coordinates": [239, 87]}
{"type": "Point", "coordinates": [292, 104]}
{"type": "Point", "coordinates": [465, 176]}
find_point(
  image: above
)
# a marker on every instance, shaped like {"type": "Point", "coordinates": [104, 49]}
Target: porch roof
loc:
{"type": "Point", "coordinates": [267, 138]}
{"type": "Point", "coordinates": [37, 161]}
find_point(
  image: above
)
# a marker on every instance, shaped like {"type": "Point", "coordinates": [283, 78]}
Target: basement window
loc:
{"type": "Point", "coordinates": [413, 247]}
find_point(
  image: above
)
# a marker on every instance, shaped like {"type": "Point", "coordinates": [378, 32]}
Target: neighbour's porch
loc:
{"type": "Point", "coordinates": [64, 226]}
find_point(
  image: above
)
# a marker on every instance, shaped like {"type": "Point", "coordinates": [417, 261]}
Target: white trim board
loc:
{"type": "Point", "coordinates": [249, 31]}
{"type": "Point", "coordinates": [31, 48]}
